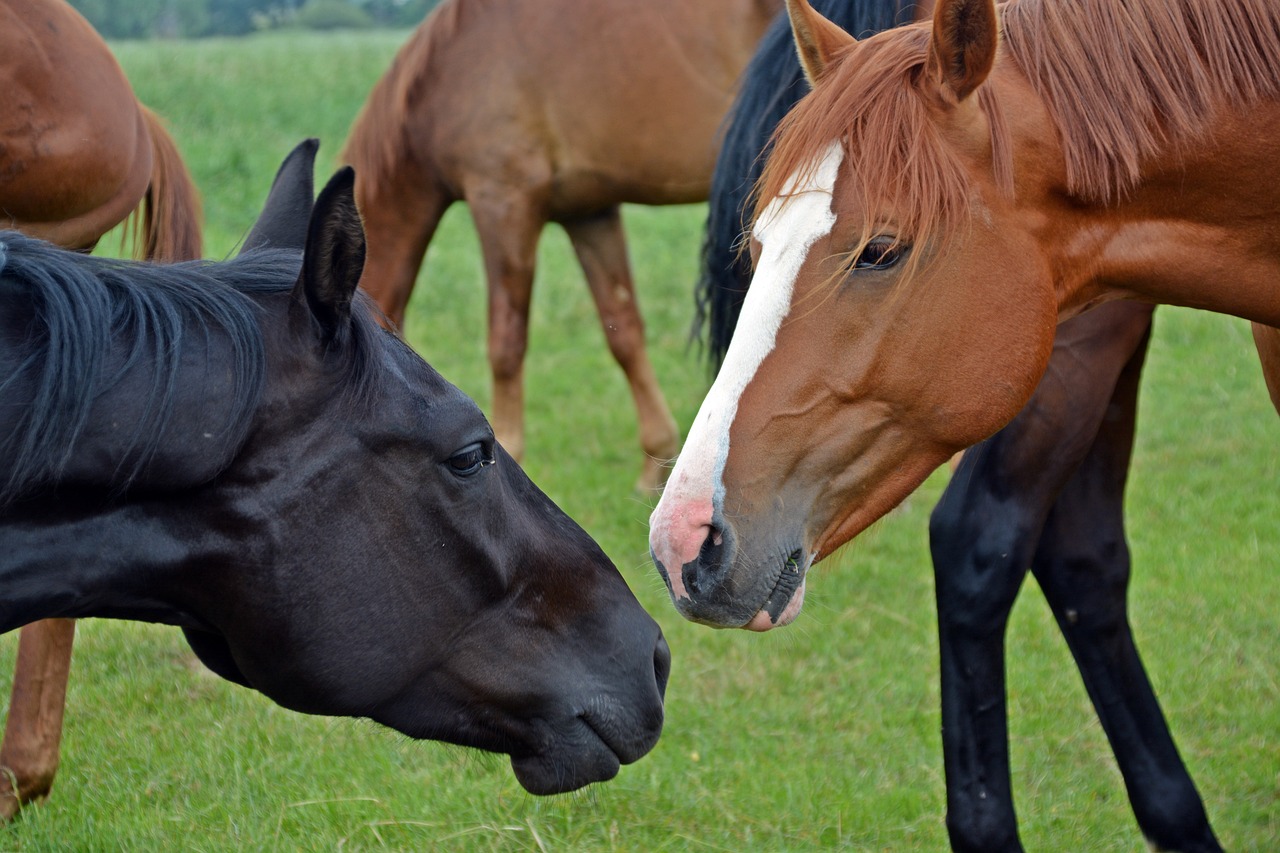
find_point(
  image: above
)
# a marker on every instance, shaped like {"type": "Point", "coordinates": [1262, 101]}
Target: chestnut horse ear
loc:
{"type": "Point", "coordinates": [817, 39]}
{"type": "Point", "coordinates": [283, 221]}
{"type": "Point", "coordinates": [963, 49]}
{"type": "Point", "coordinates": [334, 256]}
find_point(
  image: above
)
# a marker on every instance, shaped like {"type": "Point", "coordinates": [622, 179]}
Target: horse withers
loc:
{"type": "Point", "coordinates": [239, 449]}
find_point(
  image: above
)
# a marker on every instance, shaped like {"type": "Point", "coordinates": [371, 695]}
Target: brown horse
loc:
{"type": "Point", "coordinates": [536, 111]}
{"type": "Point", "coordinates": [78, 156]}
{"type": "Point", "coordinates": [944, 197]}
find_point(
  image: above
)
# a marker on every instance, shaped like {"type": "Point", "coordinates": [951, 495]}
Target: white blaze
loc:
{"type": "Point", "coordinates": [788, 227]}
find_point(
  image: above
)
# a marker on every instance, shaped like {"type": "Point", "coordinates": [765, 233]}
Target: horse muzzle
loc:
{"type": "Point", "coordinates": [717, 579]}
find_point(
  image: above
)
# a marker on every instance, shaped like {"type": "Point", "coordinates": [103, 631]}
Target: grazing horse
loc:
{"type": "Point", "coordinates": [536, 111]}
{"type": "Point", "coordinates": [928, 215]}
{"type": "Point", "coordinates": [239, 449]}
{"type": "Point", "coordinates": [78, 156]}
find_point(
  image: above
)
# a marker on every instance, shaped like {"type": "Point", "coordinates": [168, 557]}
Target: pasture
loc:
{"type": "Point", "coordinates": [823, 735]}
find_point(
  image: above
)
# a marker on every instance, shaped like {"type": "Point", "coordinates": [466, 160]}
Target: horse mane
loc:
{"type": "Point", "coordinates": [380, 136]}
{"type": "Point", "coordinates": [77, 308]}
{"type": "Point", "coordinates": [770, 86]}
{"type": "Point", "coordinates": [1122, 81]}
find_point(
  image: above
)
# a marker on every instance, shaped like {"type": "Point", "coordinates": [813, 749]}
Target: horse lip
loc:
{"type": "Point", "coordinates": [597, 753]}
{"type": "Point", "coordinates": [610, 732]}
{"type": "Point", "coordinates": [790, 579]}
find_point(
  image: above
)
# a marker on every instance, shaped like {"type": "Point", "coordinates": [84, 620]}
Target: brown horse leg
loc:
{"type": "Point", "coordinates": [602, 250]}
{"type": "Point", "coordinates": [509, 226]}
{"type": "Point", "coordinates": [983, 535]}
{"type": "Point", "coordinates": [1082, 565]}
{"type": "Point", "coordinates": [1267, 340]}
{"type": "Point", "coordinates": [33, 731]}
{"type": "Point", "coordinates": [400, 224]}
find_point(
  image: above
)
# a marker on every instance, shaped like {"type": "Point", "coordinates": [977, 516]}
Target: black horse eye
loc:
{"type": "Point", "coordinates": [470, 459]}
{"type": "Point", "coordinates": [879, 254]}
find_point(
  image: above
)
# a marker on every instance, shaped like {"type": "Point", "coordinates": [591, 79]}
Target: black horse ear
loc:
{"type": "Point", "coordinates": [334, 255]}
{"type": "Point", "coordinates": [283, 221]}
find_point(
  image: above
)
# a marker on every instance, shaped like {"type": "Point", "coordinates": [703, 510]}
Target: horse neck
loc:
{"type": "Point", "coordinates": [70, 558]}
{"type": "Point", "coordinates": [169, 413]}
{"type": "Point", "coordinates": [1197, 230]}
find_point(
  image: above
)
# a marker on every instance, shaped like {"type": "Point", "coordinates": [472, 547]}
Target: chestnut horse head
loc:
{"type": "Point", "coordinates": [930, 211]}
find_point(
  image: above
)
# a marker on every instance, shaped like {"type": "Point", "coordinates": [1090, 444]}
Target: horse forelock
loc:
{"type": "Point", "coordinates": [79, 310]}
{"type": "Point", "coordinates": [896, 162]}
{"type": "Point", "coordinates": [1126, 81]}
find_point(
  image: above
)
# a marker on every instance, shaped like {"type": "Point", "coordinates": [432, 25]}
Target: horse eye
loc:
{"type": "Point", "coordinates": [470, 459]}
{"type": "Point", "coordinates": [879, 254]}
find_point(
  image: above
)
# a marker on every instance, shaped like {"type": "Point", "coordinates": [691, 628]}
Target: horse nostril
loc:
{"type": "Point", "coordinates": [710, 558]}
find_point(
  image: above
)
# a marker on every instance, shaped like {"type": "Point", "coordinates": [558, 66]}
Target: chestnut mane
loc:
{"type": "Point", "coordinates": [1122, 82]}
{"type": "Point", "coordinates": [371, 148]}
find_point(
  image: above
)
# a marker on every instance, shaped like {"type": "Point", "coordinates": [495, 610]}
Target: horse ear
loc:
{"type": "Point", "coordinates": [334, 255]}
{"type": "Point", "coordinates": [817, 39]}
{"type": "Point", "coordinates": [283, 221]}
{"type": "Point", "coordinates": [965, 36]}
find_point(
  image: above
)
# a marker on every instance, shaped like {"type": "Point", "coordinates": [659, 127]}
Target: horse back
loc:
{"type": "Point", "coordinates": [597, 103]}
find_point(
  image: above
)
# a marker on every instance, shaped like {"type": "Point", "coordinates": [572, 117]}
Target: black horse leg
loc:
{"type": "Point", "coordinates": [1082, 565]}
{"type": "Point", "coordinates": [983, 535]}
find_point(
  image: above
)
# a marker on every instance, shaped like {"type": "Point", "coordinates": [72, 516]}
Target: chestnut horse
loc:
{"type": "Point", "coordinates": [536, 111]}
{"type": "Point", "coordinates": [78, 156]}
{"type": "Point", "coordinates": [929, 214]}
{"type": "Point", "coordinates": [1047, 492]}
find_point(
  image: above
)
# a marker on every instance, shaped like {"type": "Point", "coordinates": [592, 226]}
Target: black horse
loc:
{"type": "Point", "coordinates": [239, 449]}
{"type": "Point", "coordinates": [1045, 494]}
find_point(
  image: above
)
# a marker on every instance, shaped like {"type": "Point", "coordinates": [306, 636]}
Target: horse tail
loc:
{"type": "Point", "coordinates": [170, 212]}
{"type": "Point", "coordinates": [771, 85]}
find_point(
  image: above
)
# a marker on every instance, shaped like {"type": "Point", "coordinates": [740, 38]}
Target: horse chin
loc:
{"type": "Point", "coordinates": [560, 772]}
{"type": "Point", "coordinates": [764, 621]}
{"type": "Point", "coordinates": [598, 743]}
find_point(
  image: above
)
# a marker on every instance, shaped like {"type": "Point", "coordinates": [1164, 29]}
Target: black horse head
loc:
{"type": "Point", "coordinates": [237, 448]}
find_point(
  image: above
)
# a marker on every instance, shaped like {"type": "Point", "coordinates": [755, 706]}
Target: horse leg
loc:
{"type": "Point", "coordinates": [983, 536]}
{"type": "Point", "coordinates": [399, 225]}
{"type": "Point", "coordinates": [1083, 567]}
{"type": "Point", "coordinates": [33, 731]}
{"type": "Point", "coordinates": [602, 250]}
{"type": "Point", "coordinates": [1267, 340]}
{"type": "Point", "coordinates": [508, 225]}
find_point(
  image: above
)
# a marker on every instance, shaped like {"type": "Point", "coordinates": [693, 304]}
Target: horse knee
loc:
{"type": "Point", "coordinates": [625, 336]}
{"type": "Point", "coordinates": [978, 568]}
{"type": "Point", "coordinates": [507, 346]}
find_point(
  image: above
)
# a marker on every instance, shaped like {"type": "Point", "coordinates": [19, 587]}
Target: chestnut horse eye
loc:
{"type": "Point", "coordinates": [470, 459]}
{"type": "Point", "coordinates": [880, 253]}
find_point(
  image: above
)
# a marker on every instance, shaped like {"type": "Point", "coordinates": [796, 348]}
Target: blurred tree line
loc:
{"type": "Point", "coordinates": [134, 19]}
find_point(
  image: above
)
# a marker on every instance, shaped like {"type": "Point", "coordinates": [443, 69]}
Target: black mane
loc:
{"type": "Point", "coordinates": [62, 315]}
{"type": "Point", "coordinates": [771, 85]}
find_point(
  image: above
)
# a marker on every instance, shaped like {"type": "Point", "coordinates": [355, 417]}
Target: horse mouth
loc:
{"type": "Point", "coordinates": [599, 747]}
{"type": "Point", "coordinates": [785, 599]}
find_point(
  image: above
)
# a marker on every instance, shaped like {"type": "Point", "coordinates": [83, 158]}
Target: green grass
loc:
{"type": "Point", "coordinates": [821, 736]}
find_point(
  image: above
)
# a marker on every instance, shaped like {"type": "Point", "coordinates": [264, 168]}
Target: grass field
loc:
{"type": "Point", "coordinates": [821, 736]}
